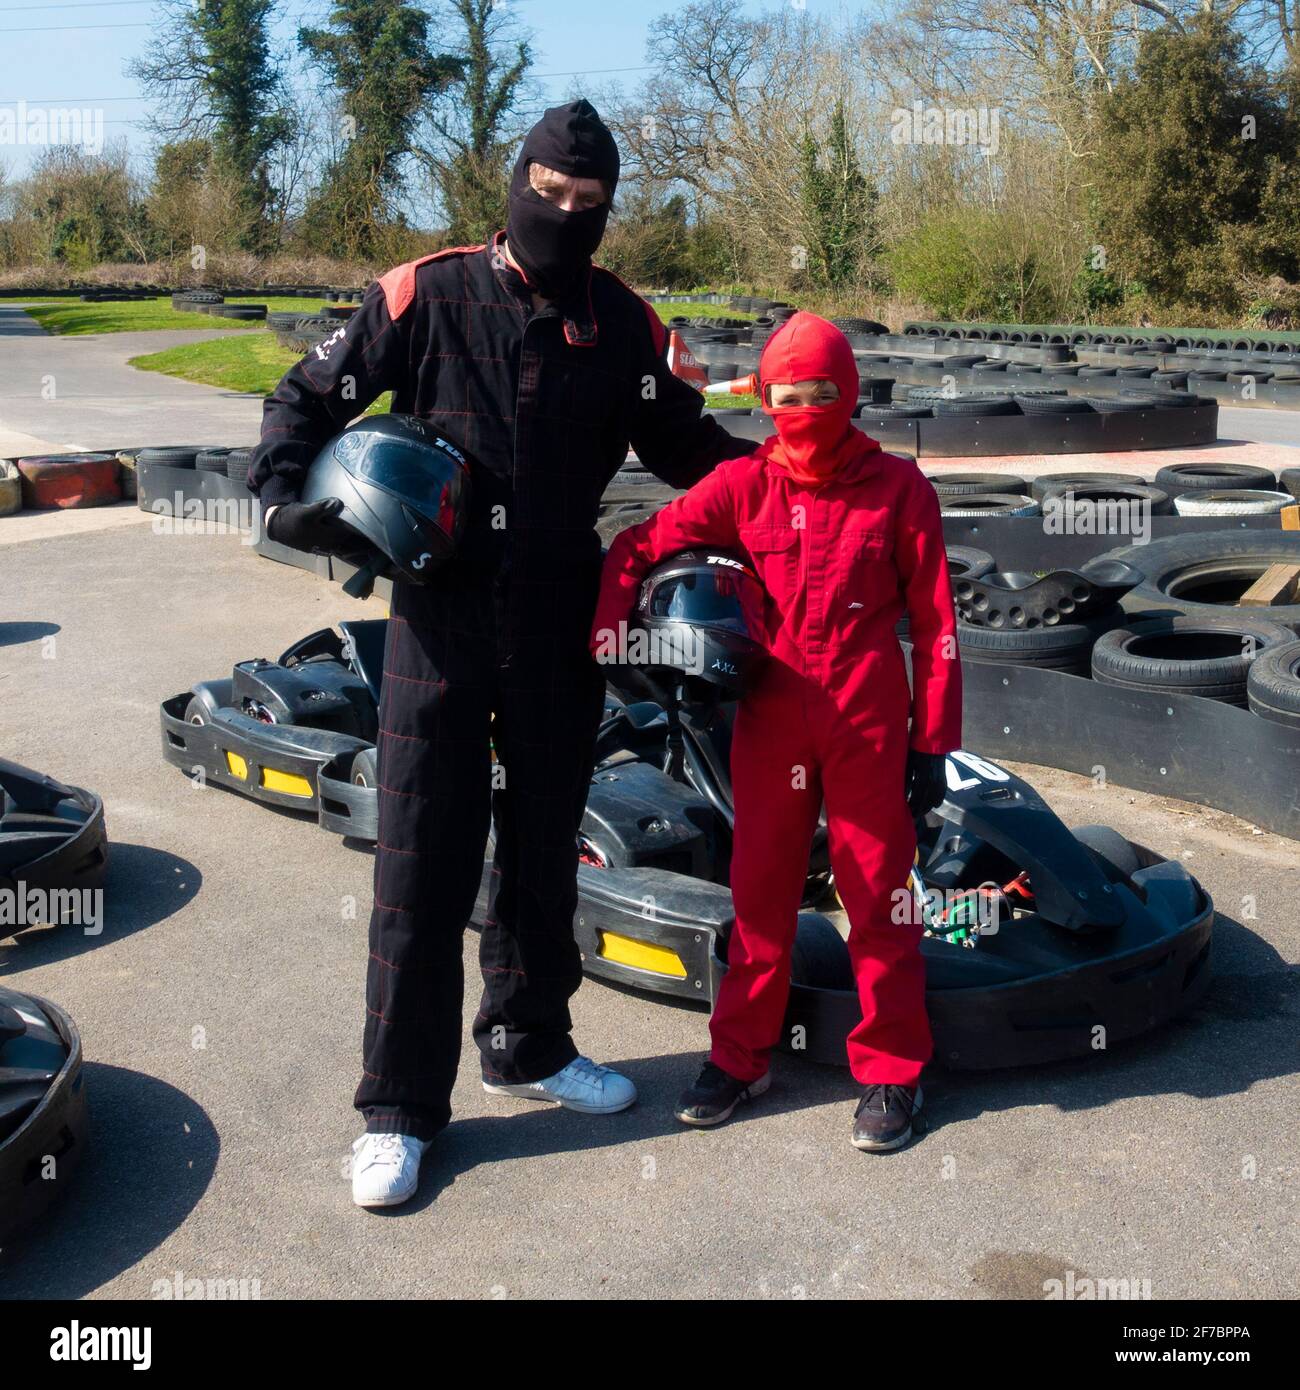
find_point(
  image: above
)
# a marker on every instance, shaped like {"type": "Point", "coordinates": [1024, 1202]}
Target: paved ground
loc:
{"type": "Point", "coordinates": [99, 402]}
{"type": "Point", "coordinates": [221, 1011]}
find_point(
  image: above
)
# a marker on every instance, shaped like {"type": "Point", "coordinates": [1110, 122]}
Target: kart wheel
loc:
{"type": "Point", "coordinates": [365, 769]}
{"type": "Point", "coordinates": [196, 712]}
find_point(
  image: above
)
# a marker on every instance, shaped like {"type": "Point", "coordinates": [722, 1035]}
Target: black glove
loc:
{"type": "Point", "coordinates": [925, 782]}
{"type": "Point", "coordinates": [314, 526]}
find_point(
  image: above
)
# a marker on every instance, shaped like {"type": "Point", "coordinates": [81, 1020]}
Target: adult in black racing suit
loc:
{"type": "Point", "coordinates": [543, 368]}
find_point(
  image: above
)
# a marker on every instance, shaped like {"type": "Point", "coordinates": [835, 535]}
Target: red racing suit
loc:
{"type": "Point", "coordinates": [827, 719]}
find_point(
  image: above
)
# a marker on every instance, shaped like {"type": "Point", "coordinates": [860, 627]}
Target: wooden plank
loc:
{"type": "Point", "coordinates": [1277, 584]}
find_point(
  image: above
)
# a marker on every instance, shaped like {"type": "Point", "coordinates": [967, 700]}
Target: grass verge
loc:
{"type": "Point", "coordinates": [251, 363]}
{"type": "Point", "coordinates": [71, 317]}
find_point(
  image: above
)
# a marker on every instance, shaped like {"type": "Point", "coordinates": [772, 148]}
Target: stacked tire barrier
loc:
{"type": "Point", "coordinates": [1253, 369]}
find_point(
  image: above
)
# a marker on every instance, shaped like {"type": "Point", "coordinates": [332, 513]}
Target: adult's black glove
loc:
{"type": "Point", "coordinates": [925, 782]}
{"type": "Point", "coordinates": [314, 526]}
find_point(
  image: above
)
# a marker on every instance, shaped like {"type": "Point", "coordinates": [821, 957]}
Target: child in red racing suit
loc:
{"type": "Point", "coordinates": [844, 538]}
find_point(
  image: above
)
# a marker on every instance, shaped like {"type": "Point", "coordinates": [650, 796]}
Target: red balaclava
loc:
{"type": "Point", "coordinates": [812, 443]}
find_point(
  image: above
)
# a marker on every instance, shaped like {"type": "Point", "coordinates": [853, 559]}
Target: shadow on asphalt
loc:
{"type": "Point", "coordinates": [526, 1129]}
{"type": "Point", "coordinates": [14, 634]}
{"type": "Point", "coordinates": [144, 886]}
{"type": "Point", "coordinates": [149, 1158]}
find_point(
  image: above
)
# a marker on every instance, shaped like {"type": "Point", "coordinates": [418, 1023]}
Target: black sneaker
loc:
{"type": "Point", "coordinates": [883, 1119]}
{"type": "Point", "coordinates": [715, 1095]}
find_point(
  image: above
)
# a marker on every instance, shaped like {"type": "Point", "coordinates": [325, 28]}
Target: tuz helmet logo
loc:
{"type": "Point", "coordinates": [725, 667]}
{"type": "Point", "coordinates": [420, 563]}
{"type": "Point", "coordinates": [725, 560]}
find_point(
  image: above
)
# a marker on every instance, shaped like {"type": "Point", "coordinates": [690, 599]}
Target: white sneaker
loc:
{"type": "Point", "coordinates": [386, 1169]}
{"type": "Point", "coordinates": [581, 1086]}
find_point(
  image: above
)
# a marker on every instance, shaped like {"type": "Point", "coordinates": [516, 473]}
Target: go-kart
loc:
{"type": "Point", "coordinates": [298, 732]}
{"type": "Point", "coordinates": [1043, 943]}
{"type": "Point", "coordinates": [42, 1106]}
{"type": "Point", "coordinates": [53, 847]}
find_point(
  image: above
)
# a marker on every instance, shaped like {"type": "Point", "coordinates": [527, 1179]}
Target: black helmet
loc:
{"type": "Point", "coordinates": [702, 613]}
{"type": "Point", "coordinates": [405, 492]}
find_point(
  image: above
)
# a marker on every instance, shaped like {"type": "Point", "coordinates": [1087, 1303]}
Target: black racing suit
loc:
{"type": "Point", "coordinates": [490, 698]}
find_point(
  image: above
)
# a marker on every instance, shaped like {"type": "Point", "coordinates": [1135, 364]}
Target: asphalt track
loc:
{"type": "Point", "coordinates": [221, 1009]}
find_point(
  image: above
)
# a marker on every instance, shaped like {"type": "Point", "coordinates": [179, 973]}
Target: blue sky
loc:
{"type": "Point", "coordinates": [61, 54]}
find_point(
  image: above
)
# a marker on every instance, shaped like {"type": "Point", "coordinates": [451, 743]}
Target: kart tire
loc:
{"type": "Point", "coordinates": [1273, 685]}
{"type": "Point", "coordinates": [1064, 647]}
{"type": "Point", "coordinates": [1241, 502]}
{"type": "Point", "coordinates": [820, 956]}
{"type": "Point", "coordinates": [364, 771]}
{"type": "Point", "coordinates": [969, 562]}
{"type": "Point", "coordinates": [1204, 574]}
{"type": "Point", "coordinates": [1172, 655]}
{"type": "Point", "coordinates": [1289, 481]}
{"type": "Point", "coordinates": [966, 484]}
{"type": "Point", "coordinates": [988, 504]}
{"type": "Point", "coordinates": [198, 711]}
{"type": "Point", "coordinates": [1049, 482]}
{"type": "Point", "coordinates": [1180, 478]}
{"type": "Point", "coordinates": [892, 410]}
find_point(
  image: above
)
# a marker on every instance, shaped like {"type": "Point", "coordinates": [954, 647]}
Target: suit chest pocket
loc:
{"type": "Point", "coordinates": [867, 579]}
{"type": "Point", "coordinates": [774, 551]}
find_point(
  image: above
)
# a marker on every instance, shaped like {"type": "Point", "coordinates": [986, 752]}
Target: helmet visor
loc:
{"type": "Point", "coordinates": [418, 476]}
{"type": "Point", "coordinates": [712, 600]}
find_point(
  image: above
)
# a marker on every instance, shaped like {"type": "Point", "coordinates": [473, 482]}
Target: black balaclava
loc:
{"type": "Point", "coordinates": [553, 247]}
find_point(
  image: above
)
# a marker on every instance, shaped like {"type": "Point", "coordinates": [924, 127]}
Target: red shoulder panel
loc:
{"type": "Point", "coordinates": [398, 284]}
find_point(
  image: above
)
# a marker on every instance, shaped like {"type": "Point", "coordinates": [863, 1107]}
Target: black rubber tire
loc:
{"type": "Point", "coordinates": [211, 460]}
{"type": "Point", "coordinates": [364, 771]}
{"type": "Point", "coordinates": [968, 562]}
{"type": "Point", "coordinates": [1178, 478]}
{"type": "Point", "coordinates": [855, 325]}
{"type": "Point", "coordinates": [1180, 570]}
{"type": "Point", "coordinates": [1273, 685]}
{"type": "Point", "coordinates": [1052, 405]}
{"type": "Point", "coordinates": [964, 484]}
{"type": "Point", "coordinates": [976, 504]}
{"type": "Point", "coordinates": [955, 361]}
{"type": "Point", "coordinates": [1046, 482]}
{"type": "Point", "coordinates": [891, 410]}
{"type": "Point", "coordinates": [170, 455]}
{"type": "Point", "coordinates": [1204, 376]}
{"type": "Point", "coordinates": [1161, 655]}
{"type": "Point", "coordinates": [238, 462]}
{"type": "Point", "coordinates": [243, 313]}
{"type": "Point", "coordinates": [992, 365]}
{"type": "Point", "coordinates": [963, 406]}
{"type": "Point", "coordinates": [820, 956]}
{"type": "Point", "coordinates": [1157, 499]}
{"type": "Point", "coordinates": [1064, 647]}
{"type": "Point", "coordinates": [1096, 371]}
{"type": "Point", "coordinates": [1114, 405]}
{"type": "Point", "coordinates": [1259, 377]}
{"type": "Point", "coordinates": [1288, 480]}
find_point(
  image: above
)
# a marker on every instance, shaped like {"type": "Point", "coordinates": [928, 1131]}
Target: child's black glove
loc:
{"type": "Point", "coordinates": [925, 783]}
